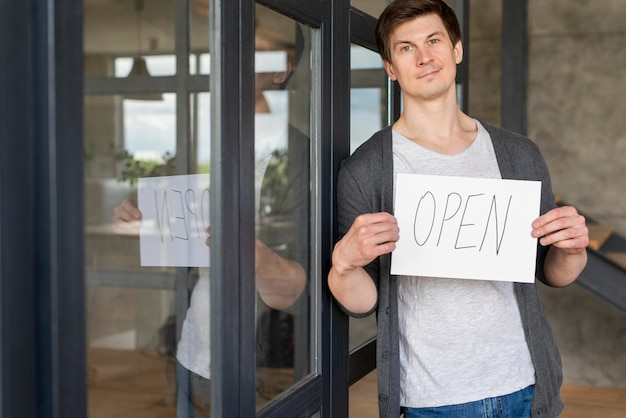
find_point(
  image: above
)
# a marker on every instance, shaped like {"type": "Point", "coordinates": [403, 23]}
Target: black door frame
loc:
{"type": "Point", "coordinates": [324, 392]}
{"type": "Point", "coordinates": [42, 312]}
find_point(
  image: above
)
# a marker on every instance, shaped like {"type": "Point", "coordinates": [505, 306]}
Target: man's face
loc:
{"type": "Point", "coordinates": [423, 59]}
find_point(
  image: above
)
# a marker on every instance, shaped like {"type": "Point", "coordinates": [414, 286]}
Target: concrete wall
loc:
{"type": "Point", "coordinates": [576, 96]}
{"type": "Point", "coordinates": [591, 336]}
{"type": "Point", "coordinates": [577, 101]}
{"type": "Point", "coordinates": [577, 116]}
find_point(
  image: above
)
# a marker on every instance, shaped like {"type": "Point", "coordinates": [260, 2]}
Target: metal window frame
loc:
{"type": "Point", "coordinates": [462, 75]}
{"type": "Point", "coordinates": [42, 312]}
{"type": "Point", "coordinates": [323, 393]}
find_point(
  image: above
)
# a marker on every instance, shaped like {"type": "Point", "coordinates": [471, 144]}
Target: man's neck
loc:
{"type": "Point", "coordinates": [438, 125]}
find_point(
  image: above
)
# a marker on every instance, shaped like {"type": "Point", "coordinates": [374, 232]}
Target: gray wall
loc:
{"type": "Point", "coordinates": [591, 336]}
{"type": "Point", "coordinates": [577, 101]}
{"type": "Point", "coordinates": [576, 96]}
{"type": "Point", "coordinates": [577, 116]}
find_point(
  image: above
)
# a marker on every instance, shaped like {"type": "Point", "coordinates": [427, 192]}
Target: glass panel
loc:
{"type": "Point", "coordinates": [130, 317]}
{"type": "Point", "coordinates": [282, 180]}
{"type": "Point", "coordinates": [135, 309]}
{"type": "Point", "coordinates": [156, 65]}
{"type": "Point", "coordinates": [371, 7]}
{"type": "Point", "coordinates": [368, 114]}
{"type": "Point", "coordinates": [199, 37]}
{"type": "Point", "coordinates": [201, 131]}
{"type": "Point", "coordinates": [375, 7]}
{"type": "Point", "coordinates": [368, 97]}
{"type": "Point", "coordinates": [148, 328]}
{"type": "Point", "coordinates": [133, 37]}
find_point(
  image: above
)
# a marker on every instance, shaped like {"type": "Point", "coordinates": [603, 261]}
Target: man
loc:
{"type": "Point", "coordinates": [447, 347]}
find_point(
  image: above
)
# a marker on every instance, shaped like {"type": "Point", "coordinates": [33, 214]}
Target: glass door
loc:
{"type": "Point", "coordinates": [203, 233]}
{"type": "Point", "coordinates": [266, 280]}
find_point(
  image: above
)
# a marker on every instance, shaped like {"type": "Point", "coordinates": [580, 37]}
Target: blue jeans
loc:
{"type": "Point", "coordinates": [193, 394]}
{"type": "Point", "coordinates": [514, 405]}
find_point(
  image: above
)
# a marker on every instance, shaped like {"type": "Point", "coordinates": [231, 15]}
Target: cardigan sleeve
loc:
{"type": "Point", "coordinates": [352, 202]}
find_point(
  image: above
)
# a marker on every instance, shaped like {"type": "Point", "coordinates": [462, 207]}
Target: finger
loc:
{"type": "Point", "coordinates": [380, 227]}
{"type": "Point", "coordinates": [574, 245]}
{"type": "Point", "coordinates": [571, 245]}
{"type": "Point", "coordinates": [557, 225]}
{"type": "Point", "coordinates": [574, 237]}
{"type": "Point", "coordinates": [359, 250]}
{"type": "Point", "coordinates": [122, 214]}
{"type": "Point", "coordinates": [131, 209]}
{"type": "Point", "coordinates": [377, 233]}
{"type": "Point", "coordinates": [126, 213]}
{"type": "Point", "coordinates": [556, 213]}
{"type": "Point", "coordinates": [385, 248]}
{"type": "Point", "coordinates": [350, 254]}
{"type": "Point", "coordinates": [560, 223]}
{"type": "Point", "coordinates": [374, 218]}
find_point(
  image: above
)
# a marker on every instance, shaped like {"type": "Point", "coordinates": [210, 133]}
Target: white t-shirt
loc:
{"type": "Point", "coordinates": [460, 340]}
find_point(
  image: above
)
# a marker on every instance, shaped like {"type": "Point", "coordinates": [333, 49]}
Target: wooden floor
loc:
{"type": "Point", "coordinates": [580, 401]}
{"type": "Point", "coordinates": [137, 384]}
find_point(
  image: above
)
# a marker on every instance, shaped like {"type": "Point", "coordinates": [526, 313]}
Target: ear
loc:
{"type": "Point", "coordinates": [458, 52]}
{"type": "Point", "coordinates": [389, 70]}
{"type": "Point", "coordinates": [283, 76]}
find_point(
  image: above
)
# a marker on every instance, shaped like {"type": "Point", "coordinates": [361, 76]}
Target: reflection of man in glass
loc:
{"type": "Point", "coordinates": [281, 247]}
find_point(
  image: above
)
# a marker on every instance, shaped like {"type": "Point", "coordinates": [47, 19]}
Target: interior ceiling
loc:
{"type": "Point", "coordinates": [111, 26]}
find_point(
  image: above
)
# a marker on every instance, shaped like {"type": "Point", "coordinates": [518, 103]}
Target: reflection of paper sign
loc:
{"type": "Point", "coordinates": [466, 228]}
{"type": "Point", "coordinates": [175, 213]}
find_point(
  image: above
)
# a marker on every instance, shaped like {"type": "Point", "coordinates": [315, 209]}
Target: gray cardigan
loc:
{"type": "Point", "coordinates": [365, 185]}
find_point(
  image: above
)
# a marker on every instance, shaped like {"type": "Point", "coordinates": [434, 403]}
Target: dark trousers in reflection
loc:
{"type": "Point", "coordinates": [193, 399]}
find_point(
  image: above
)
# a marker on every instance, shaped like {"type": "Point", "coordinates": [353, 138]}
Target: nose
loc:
{"type": "Point", "coordinates": [423, 57]}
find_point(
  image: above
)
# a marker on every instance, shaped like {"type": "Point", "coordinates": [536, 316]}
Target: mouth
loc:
{"type": "Point", "coordinates": [428, 73]}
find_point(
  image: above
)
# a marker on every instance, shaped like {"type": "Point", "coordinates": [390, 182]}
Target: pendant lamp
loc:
{"type": "Point", "coordinates": [139, 68]}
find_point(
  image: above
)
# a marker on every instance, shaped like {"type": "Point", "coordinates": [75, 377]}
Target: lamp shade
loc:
{"type": "Point", "coordinates": [140, 69]}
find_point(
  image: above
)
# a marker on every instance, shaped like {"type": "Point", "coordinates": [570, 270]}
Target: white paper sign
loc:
{"type": "Point", "coordinates": [466, 228]}
{"type": "Point", "coordinates": [175, 213]}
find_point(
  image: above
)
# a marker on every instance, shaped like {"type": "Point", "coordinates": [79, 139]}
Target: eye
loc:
{"type": "Point", "coordinates": [433, 41]}
{"type": "Point", "coordinates": [405, 48]}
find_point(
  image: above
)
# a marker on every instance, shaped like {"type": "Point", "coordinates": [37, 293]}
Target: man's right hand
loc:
{"type": "Point", "coordinates": [127, 219]}
{"type": "Point", "coordinates": [371, 235]}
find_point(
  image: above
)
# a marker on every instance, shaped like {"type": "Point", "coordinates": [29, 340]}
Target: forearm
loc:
{"type": "Point", "coordinates": [279, 281]}
{"type": "Point", "coordinates": [562, 267]}
{"type": "Point", "coordinates": [370, 236]}
{"type": "Point", "coordinates": [354, 289]}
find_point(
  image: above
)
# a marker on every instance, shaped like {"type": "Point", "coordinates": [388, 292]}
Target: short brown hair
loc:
{"type": "Point", "coordinates": [401, 11]}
